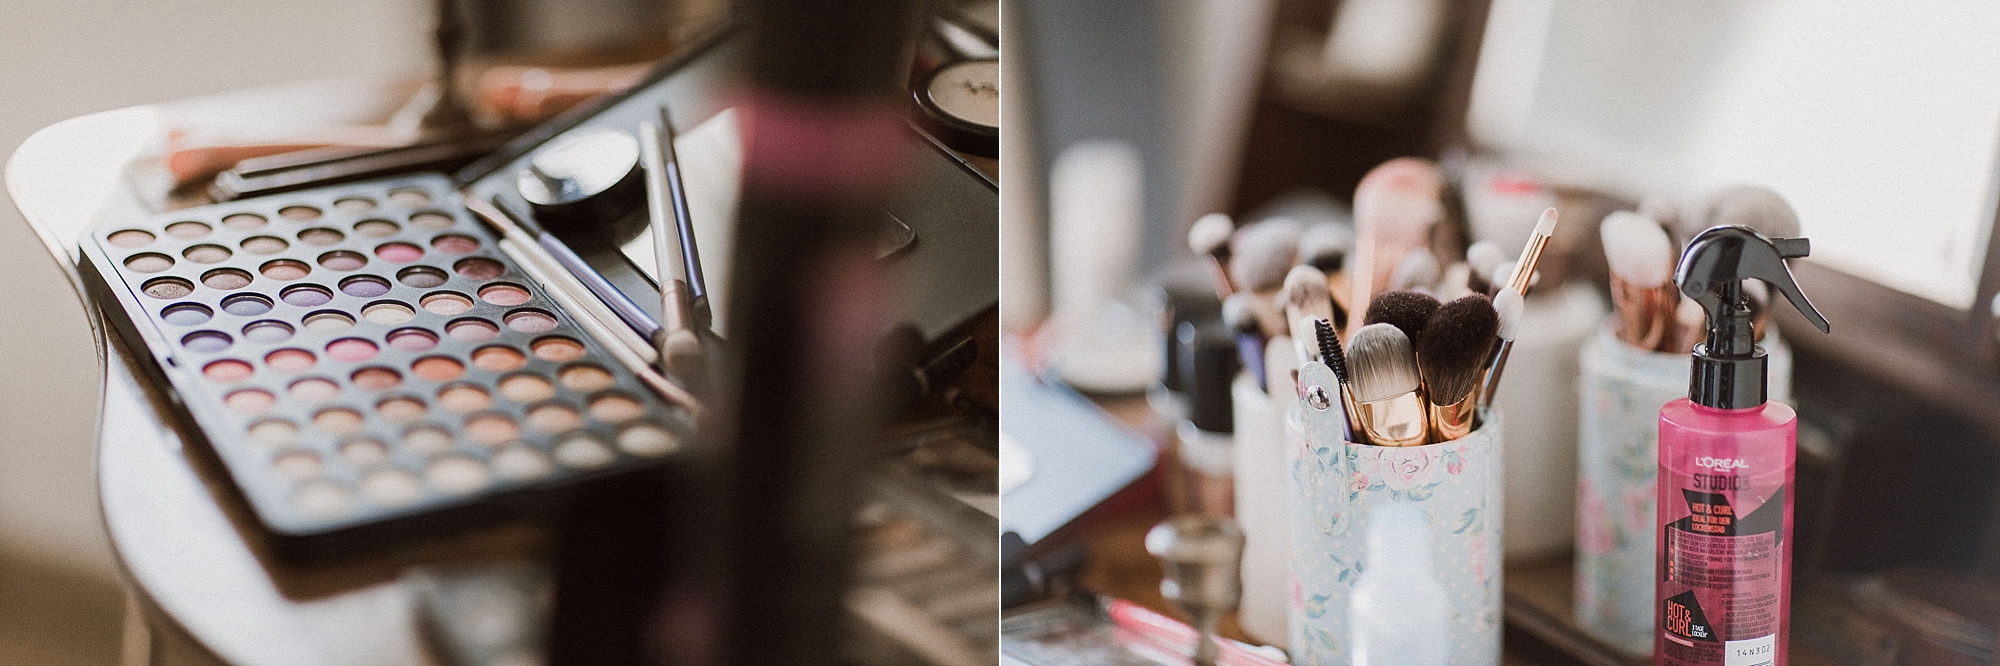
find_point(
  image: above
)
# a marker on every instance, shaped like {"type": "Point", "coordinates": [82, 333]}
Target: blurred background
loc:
{"type": "Point", "coordinates": [1877, 131]}
{"type": "Point", "coordinates": [60, 600]}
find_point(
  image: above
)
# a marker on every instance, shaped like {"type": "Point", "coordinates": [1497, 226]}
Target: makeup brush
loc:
{"type": "Point", "coordinates": [1451, 356]}
{"type": "Point", "coordinates": [680, 347]}
{"type": "Point", "coordinates": [1395, 206]}
{"type": "Point", "coordinates": [1507, 306]}
{"type": "Point", "coordinates": [1531, 254]}
{"type": "Point", "coordinates": [1382, 371]}
{"type": "Point", "coordinates": [1209, 239]}
{"type": "Point", "coordinates": [1419, 269]}
{"type": "Point", "coordinates": [1408, 311]}
{"type": "Point", "coordinates": [1249, 339]}
{"type": "Point", "coordinates": [1764, 211]}
{"type": "Point", "coordinates": [1259, 256]}
{"type": "Point", "coordinates": [1336, 360]}
{"type": "Point", "coordinates": [1325, 247]}
{"type": "Point", "coordinates": [1305, 300]}
{"type": "Point", "coordinates": [1281, 369]}
{"type": "Point", "coordinates": [1484, 257]}
{"type": "Point", "coordinates": [1641, 258]}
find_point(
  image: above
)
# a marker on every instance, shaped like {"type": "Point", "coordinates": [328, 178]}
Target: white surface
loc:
{"type": "Point", "coordinates": [1879, 125]}
{"type": "Point", "coordinates": [1539, 396]}
{"type": "Point", "coordinates": [60, 60]}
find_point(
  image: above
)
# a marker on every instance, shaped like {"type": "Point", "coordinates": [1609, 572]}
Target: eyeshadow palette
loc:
{"type": "Point", "coordinates": [368, 366]}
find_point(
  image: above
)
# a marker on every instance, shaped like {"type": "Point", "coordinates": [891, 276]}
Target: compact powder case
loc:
{"type": "Point", "coordinates": [367, 364]}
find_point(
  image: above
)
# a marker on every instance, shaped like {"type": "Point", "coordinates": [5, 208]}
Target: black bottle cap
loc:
{"type": "Point", "coordinates": [1729, 368]}
{"type": "Point", "coordinates": [1208, 365]}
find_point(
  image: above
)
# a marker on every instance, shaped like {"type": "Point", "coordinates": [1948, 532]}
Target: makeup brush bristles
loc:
{"type": "Point", "coordinates": [1408, 311]}
{"type": "Point", "coordinates": [1452, 352]}
{"type": "Point", "coordinates": [1325, 246]}
{"type": "Point", "coordinates": [1329, 348]}
{"type": "Point", "coordinates": [1381, 364]}
{"type": "Point", "coordinates": [1637, 249]}
{"type": "Point", "coordinates": [1260, 254]}
{"type": "Point", "coordinates": [1508, 308]}
{"type": "Point", "coordinates": [1210, 235]}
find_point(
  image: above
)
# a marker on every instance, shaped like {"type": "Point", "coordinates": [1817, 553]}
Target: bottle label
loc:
{"type": "Point", "coordinates": [1722, 575]}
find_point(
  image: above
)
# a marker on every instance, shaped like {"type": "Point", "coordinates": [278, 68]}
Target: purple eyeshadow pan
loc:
{"type": "Point", "coordinates": [246, 305]}
{"type": "Point", "coordinates": [306, 295]}
{"type": "Point", "coordinates": [206, 341]}
{"type": "Point", "coordinates": [364, 286]}
{"type": "Point", "coordinates": [186, 314]}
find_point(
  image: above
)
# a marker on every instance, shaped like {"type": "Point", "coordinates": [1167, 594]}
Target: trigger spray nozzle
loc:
{"type": "Point", "coordinates": [1729, 368]}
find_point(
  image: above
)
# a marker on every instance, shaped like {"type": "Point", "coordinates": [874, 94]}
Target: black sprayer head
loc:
{"type": "Point", "coordinates": [1729, 367]}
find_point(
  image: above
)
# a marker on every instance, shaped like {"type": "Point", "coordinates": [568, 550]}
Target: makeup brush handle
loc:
{"type": "Point", "coordinates": [1493, 374]}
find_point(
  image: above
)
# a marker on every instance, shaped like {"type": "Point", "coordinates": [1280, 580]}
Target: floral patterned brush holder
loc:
{"type": "Point", "coordinates": [1622, 389]}
{"type": "Point", "coordinates": [1334, 485]}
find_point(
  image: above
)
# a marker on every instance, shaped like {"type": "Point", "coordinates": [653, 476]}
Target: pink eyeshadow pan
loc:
{"type": "Point", "coordinates": [498, 359]}
{"type": "Point", "coordinates": [351, 349]}
{"type": "Point", "coordinates": [377, 379]}
{"type": "Point", "coordinates": [227, 370]}
{"type": "Point", "coordinates": [446, 303]}
{"type": "Point", "coordinates": [437, 368]}
{"type": "Point", "coordinates": [470, 330]}
{"type": "Point", "coordinates": [557, 348]}
{"type": "Point", "coordinates": [531, 321]}
{"type": "Point", "coordinates": [455, 244]}
{"type": "Point", "coordinates": [476, 268]}
{"type": "Point", "coordinates": [129, 238]}
{"type": "Point", "coordinates": [504, 294]}
{"type": "Point", "coordinates": [290, 360]}
{"type": "Point", "coordinates": [250, 401]}
{"type": "Point", "coordinates": [412, 339]}
{"type": "Point", "coordinates": [399, 252]}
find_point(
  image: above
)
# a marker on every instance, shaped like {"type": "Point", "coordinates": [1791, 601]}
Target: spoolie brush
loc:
{"type": "Point", "coordinates": [1507, 306]}
{"type": "Point", "coordinates": [1451, 356]}
{"type": "Point", "coordinates": [1408, 311]}
{"type": "Point", "coordinates": [1242, 322]}
{"type": "Point", "coordinates": [1641, 259]}
{"type": "Point", "coordinates": [1329, 352]}
{"type": "Point", "coordinates": [1209, 239]}
{"type": "Point", "coordinates": [1382, 371]}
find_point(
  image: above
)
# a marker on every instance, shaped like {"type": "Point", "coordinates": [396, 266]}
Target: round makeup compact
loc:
{"type": "Point", "coordinates": [960, 105]}
{"type": "Point", "coordinates": [584, 187]}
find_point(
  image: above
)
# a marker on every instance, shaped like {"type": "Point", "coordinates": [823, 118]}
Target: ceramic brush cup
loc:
{"type": "Point", "coordinates": [1334, 485]}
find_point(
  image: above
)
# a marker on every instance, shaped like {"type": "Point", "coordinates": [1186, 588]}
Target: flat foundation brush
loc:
{"type": "Point", "coordinates": [1451, 357]}
{"type": "Point", "coordinates": [1382, 371]}
{"type": "Point", "coordinates": [1641, 258]}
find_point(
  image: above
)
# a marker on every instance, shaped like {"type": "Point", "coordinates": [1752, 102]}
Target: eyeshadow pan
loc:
{"type": "Point", "coordinates": [299, 212]}
{"type": "Point", "coordinates": [431, 221]}
{"type": "Point", "coordinates": [188, 230]}
{"type": "Point", "coordinates": [491, 429]}
{"type": "Point", "coordinates": [479, 268]}
{"type": "Point", "coordinates": [226, 279]}
{"type": "Point", "coordinates": [314, 390]}
{"type": "Point", "coordinates": [520, 463]}
{"type": "Point", "coordinates": [526, 388]}
{"type": "Point", "coordinates": [388, 313]}
{"type": "Point", "coordinates": [265, 245]}
{"type": "Point", "coordinates": [226, 371]}
{"type": "Point", "coordinates": [615, 408]}
{"type": "Point", "coordinates": [583, 451]}
{"type": "Point", "coordinates": [352, 350]}
{"type": "Point", "coordinates": [401, 409]}
{"type": "Point", "coordinates": [321, 236]}
{"type": "Point", "coordinates": [364, 452]}
{"type": "Point", "coordinates": [446, 303]}
{"type": "Point", "coordinates": [149, 262]}
{"type": "Point", "coordinates": [503, 294]}
{"type": "Point", "coordinates": [284, 269]}
{"type": "Point", "coordinates": [649, 440]}
{"type": "Point", "coordinates": [422, 277]}
{"type": "Point", "coordinates": [250, 401]}
{"type": "Point", "coordinates": [328, 322]}
{"type": "Point", "coordinates": [464, 398]}
{"type": "Point", "coordinates": [206, 254]}
{"type": "Point", "coordinates": [585, 378]}
{"type": "Point", "coordinates": [167, 287]}
{"type": "Point", "coordinates": [412, 339]}
{"type": "Point", "coordinates": [455, 244]}
{"type": "Point", "coordinates": [322, 499]}
{"type": "Point", "coordinates": [427, 441]}
{"type": "Point", "coordinates": [129, 238]}
{"type": "Point", "coordinates": [457, 475]}
{"type": "Point", "coordinates": [557, 348]}
{"type": "Point", "coordinates": [338, 420]}
{"type": "Point", "coordinates": [554, 418]}
{"type": "Point", "coordinates": [364, 286]}
{"type": "Point", "coordinates": [470, 330]}
{"type": "Point", "coordinates": [391, 487]}
{"type": "Point", "coordinates": [409, 196]}
{"type": "Point", "coordinates": [498, 359]}
{"type": "Point", "coordinates": [377, 228]}
{"type": "Point", "coordinates": [342, 260]}
{"type": "Point", "coordinates": [401, 253]}
{"type": "Point", "coordinates": [206, 342]}
{"type": "Point", "coordinates": [438, 368]}
{"type": "Point", "coordinates": [377, 379]}
{"type": "Point", "coordinates": [298, 465]}
{"type": "Point", "coordinates": [246, 305]}
{"type": "Point", "coordinates": [355, 205]}
{"type": "Point", "coordinates": [306, 295]}
{"type": "Point", "coordinates": [274, 433]}
{"type": "Point", "coordinates": [243, 221]}
{"type": "Point", "coordinates": [290, 360]}
{"type": "Point", "coordinates": [186, 314]}
{"type": "Point", "coordinates": [530, 321]}
{"type": "Point", "coordinates": [267, 331]}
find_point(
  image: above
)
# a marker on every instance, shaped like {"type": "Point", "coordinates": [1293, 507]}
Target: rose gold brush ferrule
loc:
{"type": "Point", "coordinates": [1525, 268]}
{"type": "Point", "coordinates": [1393, 421]}
{"type": "Point", "coordinates": [1640, 322]}
{"type": "Point", "coordinates": [1354, 433]}
{"type": "Point", "coordinates": [1449, 422]}
{"type": "Point", "coordinates": [1218, 276]}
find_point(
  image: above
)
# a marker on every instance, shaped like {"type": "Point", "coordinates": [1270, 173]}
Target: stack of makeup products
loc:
{"type": "Point", "coordinates": [371, 365]}
{"type": "Point", "coordinates": [1430, 341]}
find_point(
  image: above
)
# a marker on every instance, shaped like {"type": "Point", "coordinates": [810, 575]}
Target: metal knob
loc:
{"type": "Point", "coordinates": [1202, 556]}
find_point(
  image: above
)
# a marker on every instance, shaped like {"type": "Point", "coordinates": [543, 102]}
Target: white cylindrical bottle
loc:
{"type": "Point", "coordinates": [1399, 613]}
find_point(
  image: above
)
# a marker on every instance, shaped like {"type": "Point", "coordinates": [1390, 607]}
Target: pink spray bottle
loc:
{"type": "Point", "coordinates": [1726, 469]}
